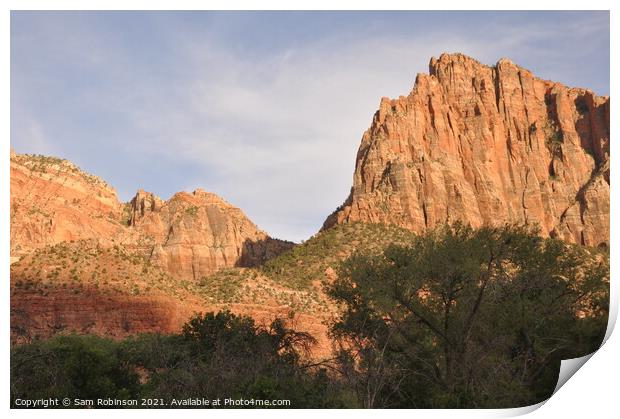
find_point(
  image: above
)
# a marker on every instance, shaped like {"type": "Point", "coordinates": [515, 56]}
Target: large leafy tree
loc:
{"type": "Point", "coordinates": [221, 355]}
{"type": "Point", "coordinates": [468, 318]}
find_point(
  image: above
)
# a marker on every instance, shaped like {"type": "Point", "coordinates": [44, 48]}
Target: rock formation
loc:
{"type": "Point", "coordinates": [486, 145]}
{"type": "Point", "coordinates": [194, 234]}
{"type": "Point", "coordinates": [53, 201]}
{"type": "Point", "coordinates": [36, 315]}
{"type": "Point", "coordinates": [480, 144]}
{"type": "Point", "coordinates": [84, 262]}
{"type": "Point", "coordinates": [190, 235]}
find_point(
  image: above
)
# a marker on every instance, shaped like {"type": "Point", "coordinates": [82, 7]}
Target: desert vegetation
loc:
{"type": "Point", "coordinates": [457, 318]}
{"type": "Point", "coordinates": [303, 264]}
{"type": "Point", "coordinates": [56, 166]}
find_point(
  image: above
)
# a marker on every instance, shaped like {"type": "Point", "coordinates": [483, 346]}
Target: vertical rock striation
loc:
{"type": "Point", "coordinates": [486, 145]}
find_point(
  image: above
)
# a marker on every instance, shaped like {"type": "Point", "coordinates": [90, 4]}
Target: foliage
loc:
{"type": "Point", "coordinates": [73, 366]}
{"type": "Point", "coordinates": [191, 210]}
{"type": "Point", "coordinates": [468, 318]}
{"type": "Point", "coordinates": [223, 285]}
{"type": "Point", "coordinates": [454, 318]}
{"type": "Point", "coordinates": [217, 355]}
{"type": "Point", "coordinates": [306, 262]}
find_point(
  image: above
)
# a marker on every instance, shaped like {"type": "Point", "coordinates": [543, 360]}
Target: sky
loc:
{"type": "Point", "coordinates": [266, 109]}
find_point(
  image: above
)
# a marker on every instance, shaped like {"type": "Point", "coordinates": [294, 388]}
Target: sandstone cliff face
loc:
{"type": "Point", "coordinates": [194, 234]}
{"type": "Point", "coordinates": [53, 201]}
{"type": "Point", "coordinates": [35, 315]}
{"type": "Point", "coordinates": [189, 236]}
{"type": "Point", "coordinates": [486, 145]}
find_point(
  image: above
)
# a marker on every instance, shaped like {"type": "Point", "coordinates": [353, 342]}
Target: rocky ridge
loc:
{"type": "Point", "coordinates": [486, 145]}
{"type": "Point", "coordinates": [53, 201]}
{"type": "Point", "coordinates": [189, 236]}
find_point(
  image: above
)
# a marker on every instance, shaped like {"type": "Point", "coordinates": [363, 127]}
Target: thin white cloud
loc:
{"type": "Point", "coordinates": [282, 133]}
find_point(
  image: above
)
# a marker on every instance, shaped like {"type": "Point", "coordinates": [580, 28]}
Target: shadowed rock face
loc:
{"type": "Point", "coordinates": [486, 145]}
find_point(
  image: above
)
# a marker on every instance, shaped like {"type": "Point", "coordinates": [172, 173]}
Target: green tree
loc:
{"type": "Point", "coordinates": [223, 355]}
{"type": "Point", "coordinates": [86, 367]}
{"type": "Point", "coordinates": [217, 355]}
{"type": "Point", "coordinates": [468, 318]}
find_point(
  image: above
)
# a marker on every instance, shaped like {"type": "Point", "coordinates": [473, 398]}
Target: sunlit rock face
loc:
{"type": "Point", "coordinates": [194, 234]}
{"type": "Point", "coordinates": [53, 201]}
{"type": "Point", "coordinates": [486, 146]}
{"type": "Point", "coordinates": [189, 236]}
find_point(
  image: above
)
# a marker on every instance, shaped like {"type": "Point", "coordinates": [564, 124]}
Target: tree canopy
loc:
{"type": "Point", "coordinates": [468, 318]}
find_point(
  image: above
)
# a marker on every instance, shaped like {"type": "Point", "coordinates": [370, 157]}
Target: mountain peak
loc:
{"type": "Point", "coordinates": [190, 235]}
{"type": "Point", "coordinates": [486, 146]}
{"type": "Point", "coordinates": [452, 59]}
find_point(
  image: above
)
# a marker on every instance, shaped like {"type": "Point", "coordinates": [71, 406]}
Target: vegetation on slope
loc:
{"type": "Point", "coordinates": [456, 318]}
{"type": "Point", "coordinates": [307, 262]}
{"type": "Point", "coordinates": [55, 166]}
{"type": "Point", "coordinates": [293, 279]}
{"type": "Point", "coordinates": [84, 264]}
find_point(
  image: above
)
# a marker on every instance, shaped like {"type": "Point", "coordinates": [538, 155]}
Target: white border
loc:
{"type": "Point", "coordinates": [592, 393]}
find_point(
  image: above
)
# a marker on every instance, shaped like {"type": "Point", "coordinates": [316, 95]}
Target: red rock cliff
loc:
{"type": "Point", "coordinates": [53, 201]}
{"type": "Point", "coordinates": [194, 234]}
{"type": "Point", "coordinates": [486, 145]}
{"type": "Point", "coordinates": [189, 236]}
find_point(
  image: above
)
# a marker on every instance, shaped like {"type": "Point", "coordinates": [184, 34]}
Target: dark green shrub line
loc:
{"type": "Point", "coordinates": [216, 356]}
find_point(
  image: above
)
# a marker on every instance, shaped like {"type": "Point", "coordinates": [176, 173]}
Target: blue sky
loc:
{"type": "Point", "coordinates": [265, 109]}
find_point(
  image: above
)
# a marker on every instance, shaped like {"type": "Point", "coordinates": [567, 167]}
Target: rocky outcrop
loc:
{"type": "Point", "coordinates": [486, 145]}
{"type": "Point", "coordinates": [189, 236]}
{"type": "Point", "coordinates": [36, 315]}
{"type": "Point", "coordinates": [143, 204]}
{"type": "Point", "coordinates": [194, 234]}
{"type": "Point", "coordinates": [53, 201]}
{"type": "Point", "coordinates": [480, 144]}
